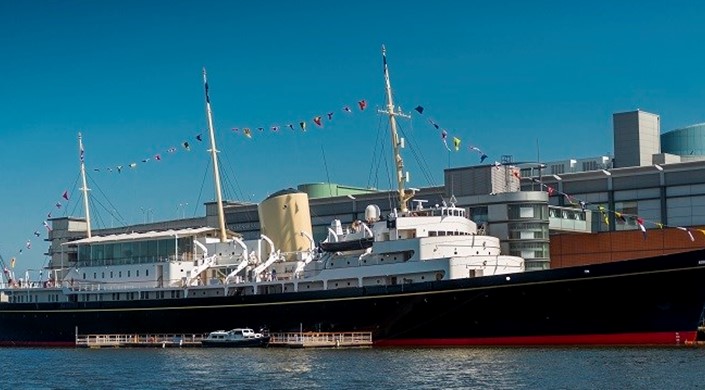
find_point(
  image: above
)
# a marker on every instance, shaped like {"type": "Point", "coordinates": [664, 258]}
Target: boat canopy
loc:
{"type": "Point", "coordinates": [147, 236]}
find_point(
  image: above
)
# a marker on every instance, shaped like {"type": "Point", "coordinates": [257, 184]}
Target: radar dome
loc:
{"type": "Point", "coordinates": [372, 213]}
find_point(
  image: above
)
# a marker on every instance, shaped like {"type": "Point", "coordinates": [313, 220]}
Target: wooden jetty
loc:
{"type": "Point", "coordinates": [321, 339]}
{"type": "Point", "coordinates": [288, 340]}
{"type": "Point", "coordinates": [139, 340]}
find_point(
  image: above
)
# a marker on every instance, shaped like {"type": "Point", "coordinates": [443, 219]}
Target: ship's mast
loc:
{"type": "Point", "coordinates": [85, 186]}
{"type": "Point", "coordinates": [214, 156]}
{"type": "Point", "coordinates": [404, 196]}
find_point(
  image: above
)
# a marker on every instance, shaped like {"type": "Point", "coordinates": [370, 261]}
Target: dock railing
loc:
{"type": "Point", "coordinates": [121, 340]}
{"type": "Point", "coordinates": [321, 339]}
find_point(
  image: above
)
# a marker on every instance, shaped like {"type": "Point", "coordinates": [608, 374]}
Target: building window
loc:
{"type": "Point", "coordinates": [589, 165]}
{"type": "Point", "coordinates": [478, 214]}
{"type": "Point", "coordinates": [557, 169]}
{"type": "Point", "coordinates": [526, 211]}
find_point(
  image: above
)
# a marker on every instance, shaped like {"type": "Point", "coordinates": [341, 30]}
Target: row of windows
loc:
{"type": "Point", "coordinates": [131, 296]}
{"type": "Point", "coordinates": [119, 274]}
{"type": "Point", "coordinates": [22, 298]}
{"type": "Point", "coordinates": [133, 252]}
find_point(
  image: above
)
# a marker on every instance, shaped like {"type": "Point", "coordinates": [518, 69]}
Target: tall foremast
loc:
{"type": "Point", "coordinates": [404, 195]}
{"type": "Point", "coordinates": [84, 189]}
{"type": "Point", "coordinates": [214, 156]}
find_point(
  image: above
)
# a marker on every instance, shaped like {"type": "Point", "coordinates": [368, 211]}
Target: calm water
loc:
{"type": "Point", "coordinates": [380, 368]}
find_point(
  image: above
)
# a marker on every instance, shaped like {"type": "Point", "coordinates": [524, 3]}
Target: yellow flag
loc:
{"type": "Point", "coordinates": [456, 143]}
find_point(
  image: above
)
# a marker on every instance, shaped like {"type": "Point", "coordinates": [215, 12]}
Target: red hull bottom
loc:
{"type": "Point", "coordinates": [635, 339]}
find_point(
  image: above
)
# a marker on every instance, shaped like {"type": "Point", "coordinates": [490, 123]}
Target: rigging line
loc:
{"type": "Point", "coordinates": [200, 192]}
{"type": "Point", "coordinates": [97, 216]}
{"type": "Point", "coordinates": [325, 165]}
{"type": "Point", "coordinates": [73, 188]}
{"type": "Point", "coordinates": [418, 157]}
{"type": "Point", "coordinates": [374, 164]}
{"type": "Point", "coordinates": [249, 214]}
{"type": "Point", "coordinates": [229, 171]}
{"type": "Point", "coordinates": [120, 217]}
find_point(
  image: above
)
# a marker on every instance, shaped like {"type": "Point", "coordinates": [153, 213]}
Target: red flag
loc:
{"type": "Point", "coordinates": [65, 195]}
{"type": "Point", "coordinates": [362, 103]}
{"type": "Point", "coordinates": [317, 120]}
{"type": "Point", "coordinates": [640, 222]}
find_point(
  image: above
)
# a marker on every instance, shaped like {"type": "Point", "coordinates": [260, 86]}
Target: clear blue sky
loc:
{"type": "Point", "coordinates": [503, 76]}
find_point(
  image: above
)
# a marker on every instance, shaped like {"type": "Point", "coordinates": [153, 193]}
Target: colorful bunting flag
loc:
{"type": "Point", "coordinates": [46, 224]}
{"type": "Point", "coordinates": [456, 143]}
{"type": "Point", "coordinates": [199, 138]}
{"type": "Point", "coordinates": [330, 116]}
{"type": "Point", "coordinates": [65, 195]}
{"type": "Point", "coordinates": [604, 215]}
{"type": "Point", "coordinates": [419, 109]}
{"type": "Point", "coordinates": [434, 124]}
{"type": "Point", "coordinates": [444, 136]}
{"type": "Point", "coordinates": [171, 150]}
{"type": "Point", "coordinates": [186, 146]}
{"type": "Point", "coordinates": [36, 233]}
{"type": "Point", "coordinates": [119, 168]}
{"type": "Point", "coordinates": [275, 128]}
{"type": "Point", "coordinates": [235, 129]}
{"type": "Point", "coordinates": [291, 126]}
{"type": "Point", "coordinates": [29, 244]}
{"type": "Point", "coordinates": [640, 222]}
{"type": "Point", "coordinates": [247, 132]}
{"type": "Point", "coordinates": [158, 157]}
{"type": "Point", "coordinates": [347, 109]}
{"type": "Point", "coordinates": [303, 125]}
{"type": "Point", "coordinates": [133, 165]}
{"type": "Point", "coordinates": [362, 103]}
{"type": "Point", "coordinates": [317, 121]}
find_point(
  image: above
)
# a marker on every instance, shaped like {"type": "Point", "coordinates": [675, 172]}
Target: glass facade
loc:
{"type": "Point", "coordinates": [529, 235]}
{"type": "Point", "coordinates": [133, 252]}
{"type": "Point", "coordinates": [688, 141]}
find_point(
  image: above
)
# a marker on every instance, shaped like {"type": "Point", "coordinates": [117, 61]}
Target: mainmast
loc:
{"type": "Point", "coordinates": [85, 186]}
{"type": "Point", "coordinates": [214, 156]}
{"type": "Point", "coordinates": [404, 196]}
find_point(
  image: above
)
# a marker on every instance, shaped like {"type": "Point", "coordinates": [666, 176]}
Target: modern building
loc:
{"type": "Point", "coordinates": [688, 142]}
{"type": "Point", "coordinates": [637, 137]}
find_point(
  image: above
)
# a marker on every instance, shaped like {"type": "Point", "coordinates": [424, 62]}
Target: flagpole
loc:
{"type": "Point", "coordinates": [404, 196]}
{"type": "Point", "coordinates": [214, 156]}
{"type": "Point", "coordinates": [85, 186]}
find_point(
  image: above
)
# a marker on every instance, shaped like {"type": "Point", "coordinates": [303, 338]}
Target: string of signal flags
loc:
{"type": "Point", "coordinates": [60, 204]}
{"type": "Point", "coordinates": [619, 217]}
{"type": "Point", "coordinates": [456, 140]}
{"type": "Point", "coordinates": [249, 132]}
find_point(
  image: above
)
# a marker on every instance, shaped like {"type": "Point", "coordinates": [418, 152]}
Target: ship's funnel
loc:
{"type": "Point", "coordinates": [283, 216]}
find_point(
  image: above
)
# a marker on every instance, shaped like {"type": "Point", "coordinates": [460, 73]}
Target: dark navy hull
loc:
{"type": "Point", "coordinates": [650, 301]}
